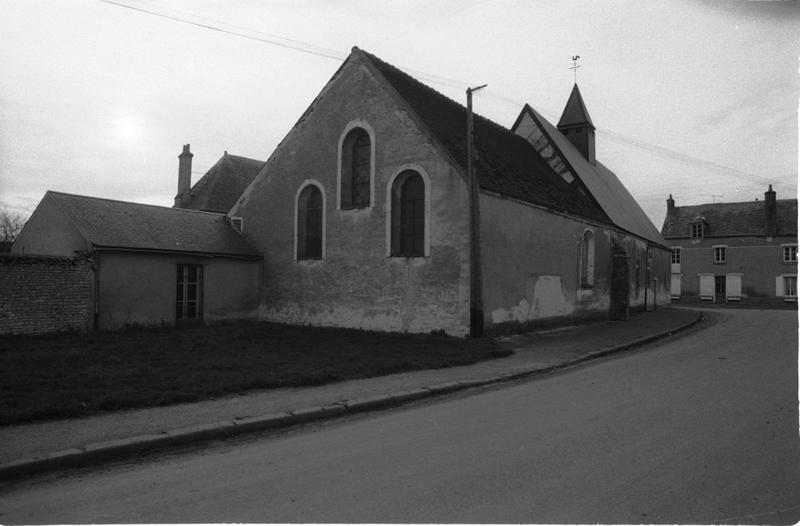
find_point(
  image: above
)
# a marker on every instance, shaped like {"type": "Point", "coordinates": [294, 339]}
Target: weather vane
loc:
{"type": "Point", "coordinates": [575, 66]}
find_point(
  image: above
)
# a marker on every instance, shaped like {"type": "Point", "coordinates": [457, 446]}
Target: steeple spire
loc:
{"type": "Point", "coordinates": [575, 111]}
{"type": "Point", "coordinates": [577, 126]}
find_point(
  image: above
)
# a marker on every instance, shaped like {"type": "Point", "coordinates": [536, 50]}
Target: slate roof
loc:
{"type": "Point", "coordinates": [575, 112]}
{"type": "Point", "coordinates": [108, 223]}
{"type": "Point", "coordinates": [507, 164]}
{"type": "Point", "coordinates": [607, 189]}
{"type": "Point", "coordinates": [221, 186]}
{"type": "Point", "coordinates": [732, 219]}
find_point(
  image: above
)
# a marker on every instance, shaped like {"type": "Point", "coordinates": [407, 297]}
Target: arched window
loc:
{"type": "Point", "coordinates": [587, 259]}
{"type": "Point", "coordinates": [408, 215]}
{"type": "Point", "coordinates": [309, 223]}
{"type": "Point", "coordinates": [356, 166]}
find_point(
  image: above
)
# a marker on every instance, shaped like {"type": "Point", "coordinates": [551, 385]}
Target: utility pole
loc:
{"type": "Point", "coordinates": [475, 281]}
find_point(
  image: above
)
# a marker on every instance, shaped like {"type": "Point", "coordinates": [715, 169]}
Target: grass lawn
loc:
{"type": "Point", "coordinates": [79, 374]}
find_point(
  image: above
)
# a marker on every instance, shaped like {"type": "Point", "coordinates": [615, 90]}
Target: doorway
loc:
{"type": "Point", "coordinates": [719, 289]}
{"type": "Point", "coordinates": [619, 285]}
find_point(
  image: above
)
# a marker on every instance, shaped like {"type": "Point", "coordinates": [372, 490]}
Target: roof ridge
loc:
{"type": "Point", "coordinates": [55, 192]}
{"type": "Point", "coordinates": [790, 200]}
{"type": "Point", "coordinates": [245, 158]}
{"type": "Point", "coordinates": [437, 92]}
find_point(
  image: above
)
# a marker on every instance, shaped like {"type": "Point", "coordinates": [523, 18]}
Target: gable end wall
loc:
{"type": "Point", "coordinates": [357, 284]}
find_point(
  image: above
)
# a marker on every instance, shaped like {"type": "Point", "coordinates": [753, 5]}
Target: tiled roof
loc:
{"type": "Point", "coordinates": [732, 219]}
{"type": "Point", "coordinates": [610, 193]}
{"type": "Point", "coordinates": [221, 186]}
{"type": "Point", "coordinates": [107, 223]}
{"type": "Point", "coordinates": [507, 164]}
{"type": "Point", "coordinates": [575, 111]}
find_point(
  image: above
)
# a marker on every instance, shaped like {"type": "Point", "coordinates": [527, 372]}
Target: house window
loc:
{"type": "Point", "coordinates": [790, 253]}
{"type": "Point", "coordinates": [189, 292]}
{"type": "Point", "coordinates": [790, 286]}
{"type": "Point", "coordinates": [356, 166]}
{"type": "Point", "coordinates": [309, 223]}
{"type": "Point", "coordinates": [587, 259]}
{"type": "Point", "coordinates": [719, 254]}
{"type": "Point", "coordinates": [676, 255]}
{"type": "Point", "coordinates": [697, 230]}
{"type": "Point", "coordinates": [408, 215]}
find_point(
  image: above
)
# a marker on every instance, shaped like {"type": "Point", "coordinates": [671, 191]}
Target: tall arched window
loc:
{"type": "Point", "coordinates": [408, 215]}
{"type": "Point", "coordinates": [587, 259]}
{"type": "Point", "coordinates": [309, 223]}
{"type": "Point", "coordinates": [356, 166]}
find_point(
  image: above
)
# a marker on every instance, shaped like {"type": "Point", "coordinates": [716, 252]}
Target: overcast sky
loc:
{"type": "Point", "coordinates": [696, 98]}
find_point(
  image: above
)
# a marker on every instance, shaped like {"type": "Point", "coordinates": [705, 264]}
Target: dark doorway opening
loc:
{"type": "Point", "coordinates": [619, 284]}
{"type": "Point", "coordinates": [719, 289]}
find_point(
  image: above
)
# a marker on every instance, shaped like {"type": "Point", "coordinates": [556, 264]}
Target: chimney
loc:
{"type": "Point", "coordinates": [670, 205]}
{"type": "Point", "coordinates": [184, 175]}
{"type": "Point", "coordinates": [771, 212]}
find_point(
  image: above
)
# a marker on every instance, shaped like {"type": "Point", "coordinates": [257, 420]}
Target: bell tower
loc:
{"type": "Point", "coordinates": [576, 125]}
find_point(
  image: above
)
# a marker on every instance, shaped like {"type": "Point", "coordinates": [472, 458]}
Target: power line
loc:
{"type": "Point", "coordinates": [271, 40]}
{"type": "Point", "coordinates": [306, 47]}
{"type": "Point", "coordinates": [661, 151]}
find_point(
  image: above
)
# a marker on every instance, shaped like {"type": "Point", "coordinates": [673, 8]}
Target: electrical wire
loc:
{"type": "Point", "coordinates": [305, 47]}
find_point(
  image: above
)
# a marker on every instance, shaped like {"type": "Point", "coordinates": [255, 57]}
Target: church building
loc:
{"type": "Point", "coordinates": [361, 218]}
{"type": "Point", "coordinates": [362, 215]}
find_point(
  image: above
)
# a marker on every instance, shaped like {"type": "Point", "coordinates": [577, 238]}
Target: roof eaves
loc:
{"type": "Point", "coordinates": [239, 255]}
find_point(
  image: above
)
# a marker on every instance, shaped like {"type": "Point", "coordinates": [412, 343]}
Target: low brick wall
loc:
{"type": "Point", "coordinates": [44, 294]}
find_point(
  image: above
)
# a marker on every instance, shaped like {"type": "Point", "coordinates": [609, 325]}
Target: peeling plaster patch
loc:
{"type": "Point", "coordinates": [548, 302]}
{"type": "Point", "coordinates": [548, 298]}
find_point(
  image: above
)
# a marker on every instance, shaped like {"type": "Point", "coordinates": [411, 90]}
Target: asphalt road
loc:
{"type": "Point", "coordinates": [698, 429]}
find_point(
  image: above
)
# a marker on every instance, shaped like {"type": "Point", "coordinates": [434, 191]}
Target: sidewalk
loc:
{"type": "Point", "coordinates": [62, 443]}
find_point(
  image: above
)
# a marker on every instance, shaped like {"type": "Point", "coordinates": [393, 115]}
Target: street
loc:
{"type": "Point", "coordinates": [699, 428]}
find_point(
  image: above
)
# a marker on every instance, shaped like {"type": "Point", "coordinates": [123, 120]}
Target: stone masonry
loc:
{"type": "Point", "coordinates": [41, 294]}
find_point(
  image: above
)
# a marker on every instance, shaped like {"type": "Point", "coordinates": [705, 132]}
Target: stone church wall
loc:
{"type": "Point", "coordinates": [532, 267]}
{"type": "Point", "coordinates": [357, 283]}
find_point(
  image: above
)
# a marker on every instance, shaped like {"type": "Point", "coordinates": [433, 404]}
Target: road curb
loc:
{"type": "Point", "coordinates": [118, 448]}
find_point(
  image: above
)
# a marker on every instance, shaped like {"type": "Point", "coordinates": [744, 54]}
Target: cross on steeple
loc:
{"type": "Point", "coordinates": [575, 66]}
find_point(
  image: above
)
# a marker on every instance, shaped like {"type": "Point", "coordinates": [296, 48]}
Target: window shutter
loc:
{"type": "Point", "coordinates": [779, 286]}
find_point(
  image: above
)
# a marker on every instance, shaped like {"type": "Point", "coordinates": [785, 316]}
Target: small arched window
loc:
{"type": "Point", "coordinates": [408, 215]}
{"type": "Point", "coordinates": [587, 260]}
{"type": "Point", "coordinates": [309, 223]}
{"type": "Point", "coordinates": [356, 166]}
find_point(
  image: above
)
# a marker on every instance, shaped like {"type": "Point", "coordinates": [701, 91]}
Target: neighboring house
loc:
{"type": "Point", "coordinates": [734, 251]}
{"type": "Point", "coordinates": [220, 187]}
{"type": "Point", "coordinates": [152, 265]}
{"type": "Point", "coordinates": [362, 215]}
